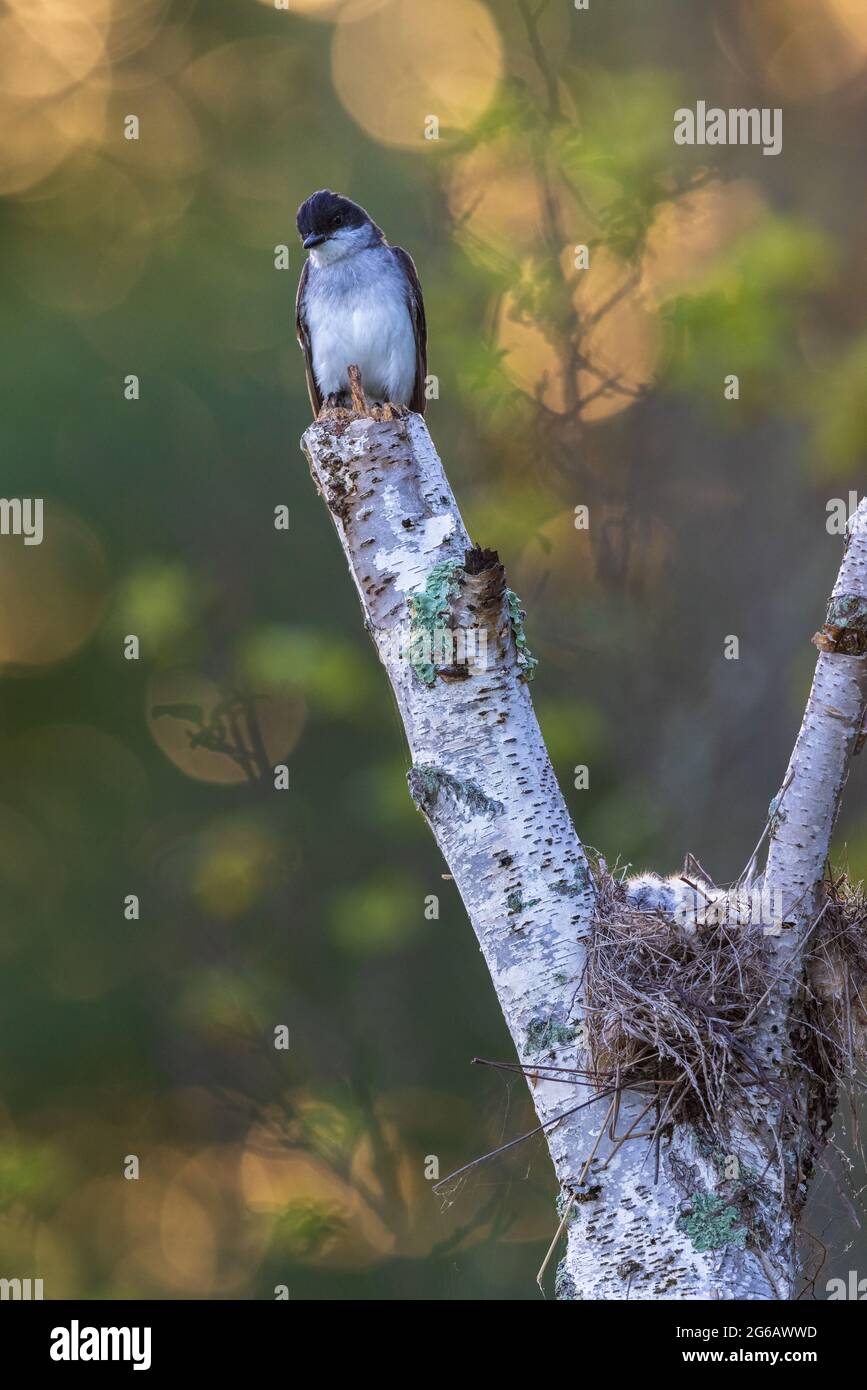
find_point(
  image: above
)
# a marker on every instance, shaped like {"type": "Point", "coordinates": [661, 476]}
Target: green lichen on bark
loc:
{"type": "Point", "coordinates": [428, 608]}
{"type": "Point", "coordinates": [710, 1224]}
{"type": "Point", "coordinates": [776, 813]}
{"type": "Point", "coordinates": [544, 1034]}
{"type": "Point", "coordinates": [566, 1203]}
{"type": "Point", "coordinates": [428, 783]}
{"type": "Point", "coordinates": [848, 610]}
{"type": "Point", "coordinates": [577, 886]}
{"type": "Point", "coordinates": [565, 1288]}
{"type": "Point", "coordinates": [515, 901]}
{"type": "Point", "coordinates": [846, 624]}
{"type": "Point", "coordinates": [527, 663]}
{"type": "Point", "coordinates": [428, 615]}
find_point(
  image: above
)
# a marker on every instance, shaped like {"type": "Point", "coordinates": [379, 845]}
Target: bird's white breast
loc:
{"type": "Point", "coordinates": [357, 312]}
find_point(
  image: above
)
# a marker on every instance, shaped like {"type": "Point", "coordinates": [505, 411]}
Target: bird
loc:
{"type": "Point", "coordinates": [359, 303]}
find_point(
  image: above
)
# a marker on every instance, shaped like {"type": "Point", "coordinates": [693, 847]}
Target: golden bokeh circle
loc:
{"type": "Point", "coordinates": [806, 48]}
{"type": "Point", "coordinates": [180, 701]}
{"type": "Point", "coordinates": [403, 62]}
{"type": "Point", "coordinates": [688, 234]}
{"type": "Point", "coordinates": [54, 593]}
{"type": "Point", "coordinates": [617, 333]}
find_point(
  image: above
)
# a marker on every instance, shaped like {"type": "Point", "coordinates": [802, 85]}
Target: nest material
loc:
{"type": "Point", "coordinates": [837, 978]}
{"type": "Point", "coordinates": [672, 1004]}
{"type": "Point", "coordinates": [678, 1004]}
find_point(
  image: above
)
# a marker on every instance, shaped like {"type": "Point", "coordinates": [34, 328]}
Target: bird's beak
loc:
{"type": "Point", "coordinates": [314, 239]}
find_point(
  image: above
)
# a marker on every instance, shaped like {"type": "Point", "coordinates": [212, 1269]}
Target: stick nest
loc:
{"type": "Point", "coordinates": [837, 979]}
{"type": "Point", "coordinates": [678, 1004]}
{"type": "Point", "coordinates": [670, 1003]}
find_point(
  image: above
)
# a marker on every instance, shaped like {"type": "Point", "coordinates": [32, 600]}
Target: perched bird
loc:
{"type": "Point", "coordinates": [359, 303]}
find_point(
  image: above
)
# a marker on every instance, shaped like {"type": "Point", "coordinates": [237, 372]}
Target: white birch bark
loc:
{"type": "Point", "coordinates": [481, 776]}
{"type": "Point", "coordinates": [805, 811]}
{"type": "Point", "coordinates": [802, 819]}
{"type": "Point", "coordinates": [480, 772]}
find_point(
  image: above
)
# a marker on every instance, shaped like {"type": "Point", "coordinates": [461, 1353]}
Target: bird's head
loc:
{"type": "Point", "coordinates": [331, 227]}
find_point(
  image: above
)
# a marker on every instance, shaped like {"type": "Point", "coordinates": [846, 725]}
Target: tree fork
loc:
{"type": "Point", "coordinates": [481, 776]}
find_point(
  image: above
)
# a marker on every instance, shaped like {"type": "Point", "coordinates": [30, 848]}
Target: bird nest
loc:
{"type": "Point", "coordinates": [837, 978]}
{"type": "Point", "coordinates": [678, 1004]}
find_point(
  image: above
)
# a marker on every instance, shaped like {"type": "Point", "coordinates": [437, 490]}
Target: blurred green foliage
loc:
{"type": "Point", "coordinates": [747, 310]}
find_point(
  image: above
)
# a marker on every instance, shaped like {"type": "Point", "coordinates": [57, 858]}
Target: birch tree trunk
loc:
{"type": "Point", "coordinates": [481, 776]}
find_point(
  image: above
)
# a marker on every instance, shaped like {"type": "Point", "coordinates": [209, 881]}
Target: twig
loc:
{"type": "Point", "coordinates": [356, 391]}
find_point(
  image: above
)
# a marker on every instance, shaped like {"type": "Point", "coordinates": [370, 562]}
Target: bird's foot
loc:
{"type": "Point", "coordinates": [388, 410]}
{"type": "Point", "coordinates": [335, 406]}
{"type": "Point", "coordinates": [348, 404]}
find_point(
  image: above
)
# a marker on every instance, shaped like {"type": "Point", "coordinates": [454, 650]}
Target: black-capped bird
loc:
{"type": "Point", "coordinates": [359, 303]}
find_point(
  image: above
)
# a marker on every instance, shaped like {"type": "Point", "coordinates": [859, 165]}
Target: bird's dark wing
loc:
{"type": "Point", "coordinates": [416, 309]}
{"type": "Point", "coordinates": [304, 340]}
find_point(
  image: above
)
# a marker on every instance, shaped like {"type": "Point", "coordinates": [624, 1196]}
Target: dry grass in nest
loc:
{"type": "Point", "coordinates": [837, 977]}
{"type": "Point", "coordinates": [679, 1004]}
{"type": "Point", "coordinates": [673, 1004]}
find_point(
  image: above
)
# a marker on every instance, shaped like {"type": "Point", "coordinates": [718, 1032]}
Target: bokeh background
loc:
{"type": "Point", "coordinates": [557, 388]}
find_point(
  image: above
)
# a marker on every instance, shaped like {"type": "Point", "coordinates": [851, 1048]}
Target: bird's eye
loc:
{"type": "Point", "coordinates": [337, 221]}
